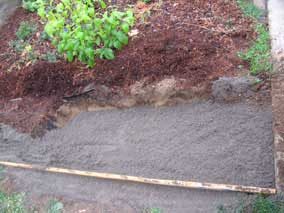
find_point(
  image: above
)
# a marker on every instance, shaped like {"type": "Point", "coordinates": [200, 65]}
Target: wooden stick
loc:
{"type": "Point", "coordinates": [176, 183]}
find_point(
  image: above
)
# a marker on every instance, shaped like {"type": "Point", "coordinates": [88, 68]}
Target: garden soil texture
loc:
{"type": "Point", "coordinates": [195, 42]}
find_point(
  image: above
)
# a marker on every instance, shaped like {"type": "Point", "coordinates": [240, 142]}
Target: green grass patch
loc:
{"type": "Point", "coordinates": [258, 55]}
{"type": "Point", "coordinates": [13, 203]}
{"type": "Point", "coordinates": [261, 204]}
{"type": "Point", "coordinates": [249, 9]}
{"type": "Point", "coordinates": [266, 205]}
{"type": "Point", "coordinates": [152, 210]}
{"type": "Point", "coordinates": [54, 206]}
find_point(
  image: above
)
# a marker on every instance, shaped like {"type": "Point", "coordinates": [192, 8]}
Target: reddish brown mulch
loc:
{"type": "Point", "coordinates": [181, 41]}
{"type": "Point", "coordinates": [195, 40]}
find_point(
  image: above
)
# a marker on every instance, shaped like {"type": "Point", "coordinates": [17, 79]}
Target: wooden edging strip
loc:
{"type": "Point", "coordinates": [175, 183]}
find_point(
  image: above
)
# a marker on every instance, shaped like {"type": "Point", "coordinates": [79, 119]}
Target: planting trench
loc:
{"type": "Point", "coordinates": [213, 140]}
{"type": "Point", "coordinates": [217, 131]}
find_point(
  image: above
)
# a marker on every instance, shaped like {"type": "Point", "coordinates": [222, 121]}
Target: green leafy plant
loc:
{"type": "Point", "coordinates": [54, 206]}
{"type": "Point", "coordinates": [86, 29]}
{"type": "Point", "coordinates": [258, 54]}
{"type": "Point", "coordinates": [26, 30]}
{"type": "Point", "coordinates": [31, 5]}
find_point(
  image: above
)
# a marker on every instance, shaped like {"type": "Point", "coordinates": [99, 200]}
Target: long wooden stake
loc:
{"type": "Point", "coordinates": [176, 183]}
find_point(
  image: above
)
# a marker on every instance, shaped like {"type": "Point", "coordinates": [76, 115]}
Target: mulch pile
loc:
{"type": "Point", "coordinates": [195, 40]}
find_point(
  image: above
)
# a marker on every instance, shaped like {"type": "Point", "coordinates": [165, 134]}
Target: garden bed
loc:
{"type": "Point", "coordinates": [194, 44]}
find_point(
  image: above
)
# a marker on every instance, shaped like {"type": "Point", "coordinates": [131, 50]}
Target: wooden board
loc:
{"type": "Point", "coordinates": [163, 182]}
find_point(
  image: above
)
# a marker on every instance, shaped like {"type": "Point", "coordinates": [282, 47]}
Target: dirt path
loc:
{"type": "Point", "coordinates": [7, 7]}
{"type": "Point", "coordinates": [203, 141]}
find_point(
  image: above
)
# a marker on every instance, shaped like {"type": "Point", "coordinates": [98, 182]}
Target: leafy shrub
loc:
{"type": "Point", "coordinates": [25, 30]}
{"type": "Point", "coordinates": [31, 5]}
{"type": "Point", "coordinates": [86, 29]}
{"type": "Point", "coordinates": [258, 54]}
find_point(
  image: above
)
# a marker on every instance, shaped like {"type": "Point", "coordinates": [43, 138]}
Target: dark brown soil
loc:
{"type": "Point", "coordinates": [195, 40]}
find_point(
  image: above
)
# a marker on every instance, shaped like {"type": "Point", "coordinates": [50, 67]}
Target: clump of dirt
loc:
{"type": "Point", "coordinates": [46, 79]}
{"type": "Point", "coordinates": [8, 82]}
{"type": "Point", "coordinates": [43, 79]}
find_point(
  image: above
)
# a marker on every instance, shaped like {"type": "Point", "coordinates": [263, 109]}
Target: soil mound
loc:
{"type": "Point", "coordinates": [45, 79]}
{"type": "Point", "coordinates": [42, 79]}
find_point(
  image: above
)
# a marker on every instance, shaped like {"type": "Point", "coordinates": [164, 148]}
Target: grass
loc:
{"type": "Point", "coordinates": [13, 203]}
{"type": "Point", "coordinates": [261, 204]}
{"type": "Point", "coordinates": [258, 55]}
{"type": "Point", "coordinates": [249, 9]}
{"type": "Point", "coordinates": [152, 210]}
{"type": "Point", "coordinates": [54, 206]}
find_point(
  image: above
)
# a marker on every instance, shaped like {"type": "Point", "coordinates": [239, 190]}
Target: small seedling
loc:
{"type": "Point", "coordinates": [257, 81]}
{"type": "Point", "coordinates": [54, 206]}
{"type": "Point", "coordinates": [17, 45]}
{"type": "Point", "coordinates": [13, 203]}
{"type": "Point", "coordinates": [50, 57]}
{"type": "Point", "coordinates": [221, 209]}
{"type": "Point", "coordinates": [152, 210]}
{"type": "Point", "coordinates": [145, 16]}
{"type": "Point", "coordinates": [26, 30]}
{"type": "Point", "coordinates": [44, 36]}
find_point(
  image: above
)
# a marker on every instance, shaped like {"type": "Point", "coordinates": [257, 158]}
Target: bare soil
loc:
{"type": "Point", "coordinates": [196, 42]}
{"type": "Point", "coordinates": [202, 141]}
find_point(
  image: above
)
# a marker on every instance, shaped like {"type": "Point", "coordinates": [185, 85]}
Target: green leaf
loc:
{"type": "Point", "coordinates": [125, 28]}
{"type": "Point", "coordinates": [70, 56]}
{"type": "Point", "coordinates": [103, 4]}
{"type": "Point", "coordinates": [108, 53]}
{"type": "Point", "coordinates": [60, 48]}
{"type": "Point", "coordinates": [122, 37]}
{"type": "Point", "coordinates": [98, 41]}
{"type": "Point", "coordinates": [117, 45]}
